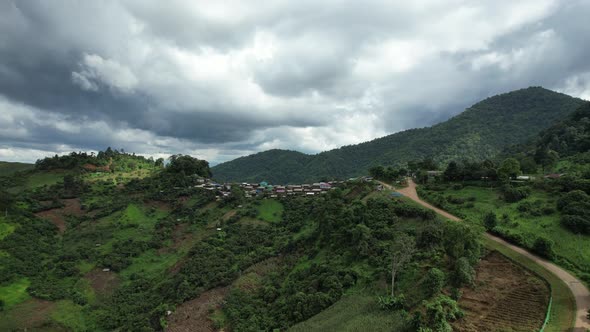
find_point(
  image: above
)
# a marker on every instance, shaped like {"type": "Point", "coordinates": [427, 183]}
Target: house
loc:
{"type": "Point", "coordinates": [434, 173]}
{"type": "Point", "coordinates": [553, 176]}
{"type": "Point", "coordinates": [309, 193]}
{"type": "Point", "coordinates": [324, 185]}
{"type": "Point", "coordinates": [523, 178]}
{"type": "Point", "coordinates": [263, 184]}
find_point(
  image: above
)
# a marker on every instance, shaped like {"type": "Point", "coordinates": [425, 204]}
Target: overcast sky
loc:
{"type": "Point", "coordinates": [221, 79]}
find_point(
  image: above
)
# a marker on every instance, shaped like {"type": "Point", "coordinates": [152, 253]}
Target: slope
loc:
{"type": "Point", "coordinates": [7, 167]}
{"type": "Point", "coordinates": [481, 131]}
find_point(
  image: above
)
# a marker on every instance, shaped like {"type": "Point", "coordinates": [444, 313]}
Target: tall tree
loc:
{"type": "Point", "coordinates": [402, 250]}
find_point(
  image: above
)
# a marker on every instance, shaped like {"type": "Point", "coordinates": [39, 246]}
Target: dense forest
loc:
{"type": "Point", "coordinates": [482, 131]}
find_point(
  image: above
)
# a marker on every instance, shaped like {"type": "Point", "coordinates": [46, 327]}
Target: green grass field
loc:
{"type": "Point", "coordinates": [572, 247]}
{"type": "Point", "coordinates": [71, 316]}
{"type": "Point", "coordinates": [15, 292]}
{"type": "Point", "coordinates": [354, 312]}
{"type": "Point", "coordinates": [8, 168]}
{"type": "Point", "coordinates": [270, 210]}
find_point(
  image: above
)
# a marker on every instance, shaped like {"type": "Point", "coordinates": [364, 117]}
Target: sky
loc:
{"type": "Point", "coordinates": [222, 79]}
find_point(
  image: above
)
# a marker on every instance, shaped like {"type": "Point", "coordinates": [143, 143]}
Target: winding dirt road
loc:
{"type": "Point", "coordinates": [580, 292]}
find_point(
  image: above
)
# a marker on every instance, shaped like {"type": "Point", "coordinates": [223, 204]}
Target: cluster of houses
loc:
{"type": "Point", "coordinates": [266, 189]}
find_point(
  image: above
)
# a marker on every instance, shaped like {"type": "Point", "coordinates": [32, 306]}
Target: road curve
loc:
{"type": "Point", "coordinates": [580, 292]}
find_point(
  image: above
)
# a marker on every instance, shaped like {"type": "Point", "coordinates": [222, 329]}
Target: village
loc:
{"type": "Point", "coordinates": [265, 189]}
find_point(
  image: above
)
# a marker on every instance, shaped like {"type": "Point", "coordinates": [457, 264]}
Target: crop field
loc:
{"type": "Point", "coordinates": [571, 247]}
{"type": "Point", "coordinates": [505, 297]}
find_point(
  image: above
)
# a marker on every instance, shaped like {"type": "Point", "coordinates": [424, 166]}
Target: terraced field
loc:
{"type": "Point", "coordinates": [505, 297]}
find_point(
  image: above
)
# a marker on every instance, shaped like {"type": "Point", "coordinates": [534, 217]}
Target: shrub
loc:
{"type": "Point", "coordinates": [391, 302]}
{"type": "Point", "coordinates": [576, 224]}
{"type": "Point", "coordinates": [544, 248]}
{"type": "Point", "coordinates": [573, 196]}
{"type": "Point", "coordinates": [490, 220]}
{"type": "Point", "coordinates": [434, 282]}
{"type": "Point", "coordinates": [440, 311]}
{"type": "Point", "coordinates": [464, 273]}
{"type": "Point", "coordinates": [515, 194]}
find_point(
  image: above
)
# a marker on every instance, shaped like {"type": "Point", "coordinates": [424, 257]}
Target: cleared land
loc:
{"type": "Point", "coordinates": [505, 297]}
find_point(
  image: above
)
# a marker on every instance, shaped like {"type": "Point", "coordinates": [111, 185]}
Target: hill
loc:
{"type": "Point", "coordinates": [145, 247]}
{"type": "Point", "coordinates": [481, 131]}
{"type": "Point", "coordinates": [7, 167]}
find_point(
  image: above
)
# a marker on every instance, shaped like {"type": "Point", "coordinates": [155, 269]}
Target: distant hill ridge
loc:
{"type": "Point", "coordinates": [481, 131]}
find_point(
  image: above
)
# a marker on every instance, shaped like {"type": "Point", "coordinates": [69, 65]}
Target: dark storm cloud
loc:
{"type": "Point", "coordinates": [223, 79]}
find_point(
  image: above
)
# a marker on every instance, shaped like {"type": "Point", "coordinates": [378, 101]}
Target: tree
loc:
{"type": "Point", "coordinates": [2, 305]}
{"type": "Point", "coordinates": [464, 272]}
{"type": "Point", "coordinates": [402, 250]}
{"type": "Point", "coordinates": [510, 168]}
{"type": "Point", "coordinates": [434, 282]}
{"type": "Point", "coordinates": [490, 220]}
{"type": "Point", "coordinates": [453, 172]}
{"type": "Point", "coordinates": [188, 165]}
{"type": "Point", "coordinates": [544, 247]}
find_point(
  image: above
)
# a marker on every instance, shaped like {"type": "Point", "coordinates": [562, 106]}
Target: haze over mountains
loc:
{"type": "Point", "coordinates": [481, 131]}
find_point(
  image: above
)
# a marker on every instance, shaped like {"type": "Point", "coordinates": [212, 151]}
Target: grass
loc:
{"type": "Point", "coordinates": [571, 247]}
{"type": "Point", "coordinates": [71, 316]}
{"type": "Point", "coordinates": [131, 223]}
{"type": "Point", "coordinates": [15, 292]}
{"type": "Point", "coordinates": [38, 179]}
{"type": "Point", "coordinates": [354, 312]}
{"type": "Point", "coordinates": [5, 228]}
{"type": "Point", "coordinates": [150, 263]}
{"type": "Point", "coordinates": [270, 210]}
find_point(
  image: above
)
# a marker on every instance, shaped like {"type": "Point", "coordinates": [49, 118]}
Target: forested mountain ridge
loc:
{"type": "Point", "coordinates": [481, 131]}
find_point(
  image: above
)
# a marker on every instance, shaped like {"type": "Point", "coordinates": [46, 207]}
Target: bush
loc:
{"type": "Point", "coordinates": [574, 196]}
{"type": "Point", "coordinates": [576, 224]}
{"type": "Point", "coordinates": [440, 311]}
{"type": "Point", "coordinates": [490, 220]}
{"type": "Point", "coordinates": [434, 282]}
{"type": "Point", "coordinates": [464, 273]}
{"type": "Point", "coordinates": [515, 194]}
{"type": "Point", "coordinates": [544, 248]}
{"type": "Point", "coordinates": [391, 302]}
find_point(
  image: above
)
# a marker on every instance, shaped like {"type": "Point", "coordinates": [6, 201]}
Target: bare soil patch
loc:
{"type": "Point", "coordinates": [505, 297]}
{"type": "Point", "coordinates": [193, 315]}
{"type": "Point", "coordinates": [71, 207]}
{"type": "Point", "coordinates": [31, 314]}
{"type": "Point", "coordinates": [103, 283]}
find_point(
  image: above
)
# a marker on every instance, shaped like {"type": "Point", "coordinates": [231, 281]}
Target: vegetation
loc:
{"type": "Point", "coordinates": [481, 132]}
{"type": "Point", "coordinates": [549, 215]}
{"type": "Point", "coordinates": [119, 249]}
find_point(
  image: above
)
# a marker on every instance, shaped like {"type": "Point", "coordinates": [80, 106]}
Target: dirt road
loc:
{"type": "Point", "coordinates": [581, 293]}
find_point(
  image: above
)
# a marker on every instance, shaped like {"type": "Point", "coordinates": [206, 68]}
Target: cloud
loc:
{"type": "Point", "coordinates": [224, 79]}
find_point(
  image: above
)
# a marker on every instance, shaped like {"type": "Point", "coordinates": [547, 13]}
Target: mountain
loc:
{"type": "Point", "coordinates": [481, 131]}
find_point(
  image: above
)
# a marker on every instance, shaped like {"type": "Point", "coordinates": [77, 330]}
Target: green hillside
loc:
{"type": "Point", "coordinates": [141, 248]}
{"type": "Point", "coordinates": [480, 132]}
{"type": "Point", "coordinates": [7, 167]}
